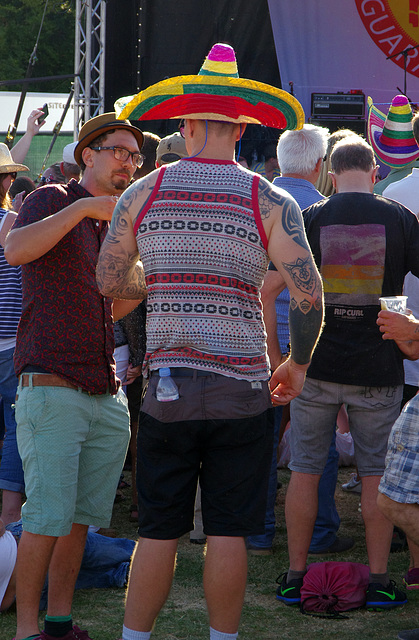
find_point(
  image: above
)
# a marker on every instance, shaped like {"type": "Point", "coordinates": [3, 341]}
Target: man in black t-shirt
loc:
{"type": "Point", "coordinates": [363, 245]}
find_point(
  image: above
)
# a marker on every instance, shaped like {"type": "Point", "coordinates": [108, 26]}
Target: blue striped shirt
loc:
{"type": "Point", "coordinates": [10, 294]}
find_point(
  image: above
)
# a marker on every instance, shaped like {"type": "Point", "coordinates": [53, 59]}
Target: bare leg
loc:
{"type": "Point", "coordinates": [150, 580]}
{"type": "Point", "coordinates": [64, 569]}
{"type": "Point", "coordinates": [10, 593]}
{"type": "Point", "coordinates": [300, 513]}
{"type": "Point", "coordinates": [378, 529]}
{"type": "Point", "coordinates": [225, 576]}
{"type": "Point", "coordinates": [414, 554]}
{"type": "Point", "coordinates": [403, 515]}
{"type": "Point", "coordinates": [342, 420]}
{"type": "Point", "coordinates": [63, 558]}
{"type": "Point", "coordinates": [33, 558]}
{"type": "Point", "coordinates": [11, 506]}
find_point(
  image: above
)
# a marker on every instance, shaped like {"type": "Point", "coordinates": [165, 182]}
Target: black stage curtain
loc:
{"type": "Point", "coordinates": [121, 50]}
{"type": "Point", "coordinates": [176, 35]}
{"type": "Point", "coordinates": [149, 40]}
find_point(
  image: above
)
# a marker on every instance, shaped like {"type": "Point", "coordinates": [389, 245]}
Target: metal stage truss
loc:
{"type": "Point", "coordinates": [89, 60]}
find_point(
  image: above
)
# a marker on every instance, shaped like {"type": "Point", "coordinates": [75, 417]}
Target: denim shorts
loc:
{"type": "Point", "coordinates": [188, 439]}
{"type": "Point", "coordinates": [73, 448]}
{"type": "Point", "coordinates": [400, 479]}
{"type": "Point", "coordinates": [11, 472]}
{"type": "Point", "coordinates": [372, 412]}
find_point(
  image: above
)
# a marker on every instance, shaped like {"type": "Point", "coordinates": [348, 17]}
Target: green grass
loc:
{"type": "Point", "coordinates": [264, 618]}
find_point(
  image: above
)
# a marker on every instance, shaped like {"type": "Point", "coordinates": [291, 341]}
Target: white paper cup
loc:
{"type": "Point", "coordinates": [394, 303]}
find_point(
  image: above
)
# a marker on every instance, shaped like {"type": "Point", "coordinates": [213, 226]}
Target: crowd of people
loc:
{"type": "Point", "coordinates": [166, 267]}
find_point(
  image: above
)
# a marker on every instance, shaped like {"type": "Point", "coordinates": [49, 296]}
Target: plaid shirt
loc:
{"type": "Point", "coordinates": [66, 324]}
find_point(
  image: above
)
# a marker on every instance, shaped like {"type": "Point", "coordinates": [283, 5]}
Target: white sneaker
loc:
{"type": "Point", "coordinates": [353, 486]}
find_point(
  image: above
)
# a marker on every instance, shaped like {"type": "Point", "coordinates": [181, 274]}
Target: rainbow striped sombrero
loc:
{"type": "Point", "coordinates": [392, 137]}
{"type": "Point", "coordinates": [216, 93]}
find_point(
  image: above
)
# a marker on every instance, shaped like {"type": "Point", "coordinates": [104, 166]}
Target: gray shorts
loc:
{"type": "Point", "coordinates": [400, 481]}
{"type": "Point", "coordinates": [372, 412]}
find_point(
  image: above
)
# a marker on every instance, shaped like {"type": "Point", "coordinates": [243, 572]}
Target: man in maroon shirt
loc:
{"type": "Point", "coordinates": [73, 426]}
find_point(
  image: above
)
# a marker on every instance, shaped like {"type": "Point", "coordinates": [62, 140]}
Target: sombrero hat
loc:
{"type": "Point", "coordinates": [216, 93]}
{"type": "Point", "coordinates": [392, 137]}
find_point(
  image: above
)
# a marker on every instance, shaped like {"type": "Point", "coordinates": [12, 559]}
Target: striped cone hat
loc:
{"type": "Point", "coordinates": [216, 93]}
{"type": "Point", "coordinates": [392, 137]}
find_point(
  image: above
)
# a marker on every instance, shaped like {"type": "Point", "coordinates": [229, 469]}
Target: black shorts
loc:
{"type": "Point", "coordinates": [231, 457]}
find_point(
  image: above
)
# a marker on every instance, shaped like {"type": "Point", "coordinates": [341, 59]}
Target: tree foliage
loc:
{"type": "Point", "coordinates": [20, 21]}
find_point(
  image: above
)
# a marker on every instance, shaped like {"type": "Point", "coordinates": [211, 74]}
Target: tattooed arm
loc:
{"type": "Point", "coordinates": [289, 251]}
{"type": "Point", "coordinates": [119, 272]}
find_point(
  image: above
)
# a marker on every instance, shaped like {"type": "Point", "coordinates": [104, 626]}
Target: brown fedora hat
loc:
{"type": "Point", "coordinates": [99, 125]}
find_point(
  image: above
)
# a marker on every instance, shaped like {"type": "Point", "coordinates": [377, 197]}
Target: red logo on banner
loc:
{"type": "Point", "coordinates": [394, 26]}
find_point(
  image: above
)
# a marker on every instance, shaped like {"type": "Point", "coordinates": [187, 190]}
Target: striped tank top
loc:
{"type": "Point", "coordinates": [203, 247]}
{"type": "Point", "coordinates": [10, 295]}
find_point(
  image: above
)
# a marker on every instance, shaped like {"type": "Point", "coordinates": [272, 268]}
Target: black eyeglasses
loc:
{"type": "Point", "coordinates": [182, 128]}
{"type": "Point", "coordinates": [119, 153]}
{"type": "Point", "coordinates": [11, 174]}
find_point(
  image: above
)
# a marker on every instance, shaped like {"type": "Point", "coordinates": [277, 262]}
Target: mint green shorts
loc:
{"type": "Point", "coordinates": [73, 448]}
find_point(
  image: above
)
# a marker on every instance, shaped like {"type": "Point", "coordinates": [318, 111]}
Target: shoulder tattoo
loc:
{"type": "Point", "coordinates": [292, 220]}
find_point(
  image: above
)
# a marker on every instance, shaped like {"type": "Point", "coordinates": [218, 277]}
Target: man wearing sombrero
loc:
{"type": "Point", "coordinates": [205, 229]}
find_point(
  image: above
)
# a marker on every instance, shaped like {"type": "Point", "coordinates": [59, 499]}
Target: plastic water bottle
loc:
{"type": "Point", "coordinates": [166, 387]}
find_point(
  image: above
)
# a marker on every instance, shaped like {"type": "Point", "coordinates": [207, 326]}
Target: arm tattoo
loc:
{"type": "Point", "coordinates": [118, 273]}
{"type": "Point", "coordinates": [306, 305]}
{"type": "Point", "coordinates": [305, 327]}
{"type": "Point", "coordinates": [119, 276]}
{"type": "Point", "coordinates": [306, 312]}
{"type": "Point", "coordinates": [119, 224]}
{"type": "Point", "coordinates": [268, 199]}
{"type": "Point", "coordinates": [303, 274]}
{"type": "Point", "coordinates": [306, 319]}
{"type": "Point", "coordinates": [292, 220]}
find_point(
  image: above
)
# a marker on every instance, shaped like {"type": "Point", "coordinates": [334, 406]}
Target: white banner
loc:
{"type": "Point", "coordinates": [56, 102]}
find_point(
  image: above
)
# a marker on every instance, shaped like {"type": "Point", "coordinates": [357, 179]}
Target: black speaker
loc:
{"type": "Point", "coordinates": [357, 125]}
{"type": "Point", "coordinates": [338, 105]}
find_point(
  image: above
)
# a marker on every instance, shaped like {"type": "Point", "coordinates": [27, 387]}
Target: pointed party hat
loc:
{"type": "Point", "coordinates": [216, 93]}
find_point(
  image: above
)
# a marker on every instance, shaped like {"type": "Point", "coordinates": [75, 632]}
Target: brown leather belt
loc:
{"type": "Point", "coordinates": [46, 380]}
